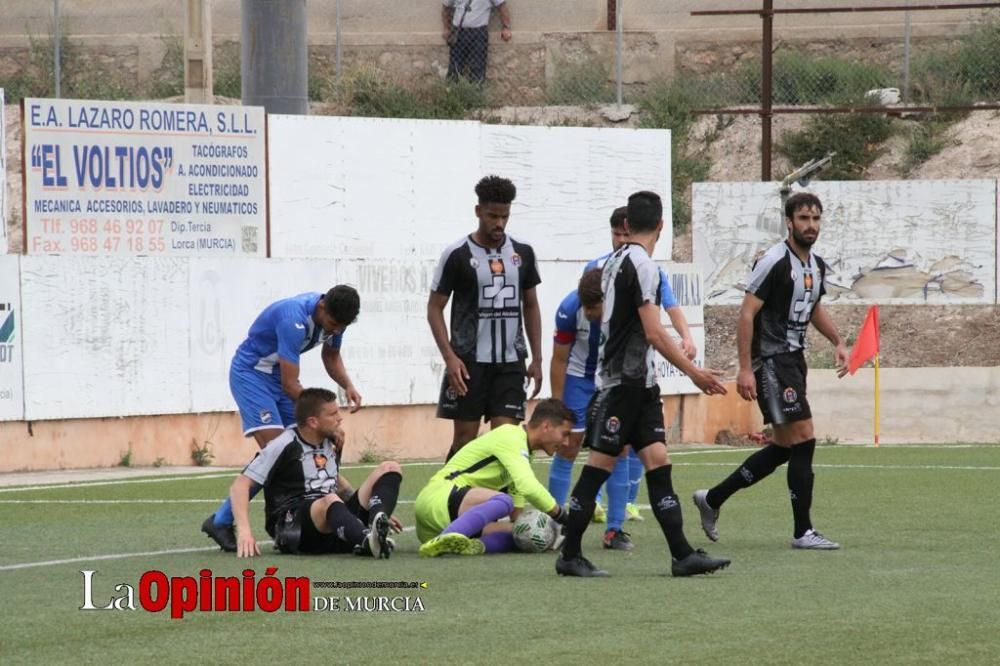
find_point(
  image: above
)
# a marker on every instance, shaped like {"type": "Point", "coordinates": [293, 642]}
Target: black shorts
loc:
{"type": "Point", "coordinates": [295, 533]}
{"type": "Point", "coordinates": [624, 415]}
{"type": "Point", "coordinates": [781, 388]}
{"type": "Point", "coordinates": [495, 389]}
{"type": "Point", "coordinates": [455, 498]}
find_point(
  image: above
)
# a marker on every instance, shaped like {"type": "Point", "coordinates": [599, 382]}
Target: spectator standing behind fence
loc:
{"type": "Point", "coordinates": [466, 29]}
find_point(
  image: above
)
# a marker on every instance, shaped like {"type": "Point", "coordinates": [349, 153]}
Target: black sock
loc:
{"type": "Point", "coordinates": [581, 508]}
{"type": "Point", "coordinates": [385, 493]}
{"type": "Point", "coordinates": [753, 469]}
{"type": "Point", "coordinates": [800, 484]}
{"type": "Point", "coordinates": [345, 524]}
{"type": "Point", "coordinates": [667, 510]}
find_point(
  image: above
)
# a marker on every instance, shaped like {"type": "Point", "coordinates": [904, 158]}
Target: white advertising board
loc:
{"type": "Point", "coordinates": [11, 341]}
{"type": "Point", "coordinates": [105, 336]}
{"type": "Point", "coordinates": [129, 178]}
{"type": "Point", "coordinates": [686, 285]}
{"type": "Point", "coordinates": [403, 189]}
{"type": "Point", "coordinates": [570, 179]}
{"type": "Point", "coordinates": [370, 187]}
{"type": "Point", "coordinates": [890, 242]}
{"type": "Point", "coordinates": [559, 278]}
{"type": "Point", "coordinates": [226, 297]}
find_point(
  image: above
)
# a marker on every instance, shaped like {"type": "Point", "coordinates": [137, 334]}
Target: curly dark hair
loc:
{"type": "Point", "coordinates": [494, 189]}
{"type": "Point", "coordinates": [343, 304]}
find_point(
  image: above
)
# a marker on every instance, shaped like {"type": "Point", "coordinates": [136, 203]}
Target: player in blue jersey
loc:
{"type": "Point", "coordinates": [264, 374]}
{"type": "Point", "coordinates": [574, 363]}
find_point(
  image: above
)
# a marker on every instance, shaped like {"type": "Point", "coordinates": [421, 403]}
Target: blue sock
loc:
{"type": "Point", "coordinates": [224, 514]}
{"type": "Point", "coordinates": [560, 477]}
{"type": "Point", "coordinates": [635, 472]}
{"type": "Point", "coordinates": [617, 486]}
{"type": "Point", "coordinates": [600, 495]}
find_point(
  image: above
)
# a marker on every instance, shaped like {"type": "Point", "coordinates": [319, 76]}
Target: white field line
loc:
{"type": "Point", "coordinates": [674, 454]}
{"type": "Point", "coordinates": [122, 556]}
{"type": "Point", "coordinates": [130, 501]}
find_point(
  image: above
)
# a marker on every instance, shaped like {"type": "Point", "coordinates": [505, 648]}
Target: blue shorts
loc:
{"type": "Point", "coordinates": [576, 395]}
{"type": "Point", "coordinates": [263, 404]}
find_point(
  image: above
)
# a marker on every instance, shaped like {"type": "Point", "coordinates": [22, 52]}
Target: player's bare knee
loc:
{"type": "Point", "coordinates": [325, 501]}
{"type": "Point", "coordinates": [387, 467]}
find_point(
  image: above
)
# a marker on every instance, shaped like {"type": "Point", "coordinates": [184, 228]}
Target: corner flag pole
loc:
{"type": "Point", "coordinates": [876, 401]}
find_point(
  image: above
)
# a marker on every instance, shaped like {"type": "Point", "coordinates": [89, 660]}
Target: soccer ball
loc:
{"type": "Point", "coordinates": [534, 531]}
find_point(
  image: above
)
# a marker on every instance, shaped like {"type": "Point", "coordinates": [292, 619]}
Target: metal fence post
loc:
{"type": "Point", "coordinates": [57, 48]}
{"type": "Point", "coordinates": [906, 54]}
{"type": "Point", "coordinates": [339, 51]}
{"type": "Point", "coordinates": [619, 39]}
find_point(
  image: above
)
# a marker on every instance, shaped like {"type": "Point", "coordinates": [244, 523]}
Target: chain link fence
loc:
{"type": "Point", "coordinates": [357, 68]}
{"type": "Point", "coordinates": [944, 72]}
{"type": "Point", "coordinates": [423, 75]}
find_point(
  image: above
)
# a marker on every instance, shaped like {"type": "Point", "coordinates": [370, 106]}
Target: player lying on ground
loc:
{"type": "Point", "coordinates": [488, 479]}
{"type": "Point", "coordinates": [264, 373]}
{"type": "Point", "coordinates": [310, 507]}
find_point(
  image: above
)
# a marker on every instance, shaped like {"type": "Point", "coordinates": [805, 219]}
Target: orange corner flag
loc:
{"type": "Point", "coordinates": [867, 345]}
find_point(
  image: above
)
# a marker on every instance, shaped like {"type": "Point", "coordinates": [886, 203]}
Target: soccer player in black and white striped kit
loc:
{"type": "Point", "coordinates": [782, 298]}
{"type": "Point", "coordinates": [492, 278]}
{"type": "Point", "coordinates": [626, 409]}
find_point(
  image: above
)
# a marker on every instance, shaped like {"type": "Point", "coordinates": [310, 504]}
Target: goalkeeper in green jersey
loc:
{"type": "Point", "coordinates": [488, 479]}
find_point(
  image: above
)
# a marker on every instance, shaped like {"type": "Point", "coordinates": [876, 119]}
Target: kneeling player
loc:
{"type": "Point", "coordinates": [488, 479]}
{"type": "Point", "coordinates": [310, 507]}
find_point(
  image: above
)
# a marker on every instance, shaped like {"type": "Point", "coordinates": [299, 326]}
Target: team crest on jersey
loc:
{"type": "Point", "coordinates": [266, 416]}
{"type": "Point", "coordinates": [319, 459]}
{"type": "Point", "coordinates": [515, 259]}
{"type": "Point", "coordinates": [795, 276]}
{"type": "Point", "coordinates": [807, 281]}
{"type": "Point", "coordinates": [474, 262]}
{"type": "Point", "coordinates": [496, 265]}
{"type": "Point", "coordinates": [613, 425]}
{"type": "Point", "coordinates": [790, 395]}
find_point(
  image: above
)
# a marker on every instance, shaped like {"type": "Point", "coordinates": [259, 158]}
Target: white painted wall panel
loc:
{"type": "Point", "coordinates": [403, 189]}
{"type": "Point", "coordinates": [892, 242]}
{"type": "Point", "coordinates": [11, 340]}
{"type": "Point", "coordinates": [570, 179]}
{"type": "Point", "coordinates": [559, 278]}
{"type": "Point", "coordinates": [226, 297]}
{"type": "Point", "coordinates": [105, 336]}
{"type": "Point", "coordinates": [370, 187]}
{"type": "Point", "coordinates": [686, 285]}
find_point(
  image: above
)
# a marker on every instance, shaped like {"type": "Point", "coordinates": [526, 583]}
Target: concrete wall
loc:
{"type": "Point", "coordinates": [403, 433]}
{"type": "Point", "coordinates": [917, 405]}
{"type": "Point", "coordinates": [928, 405]}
